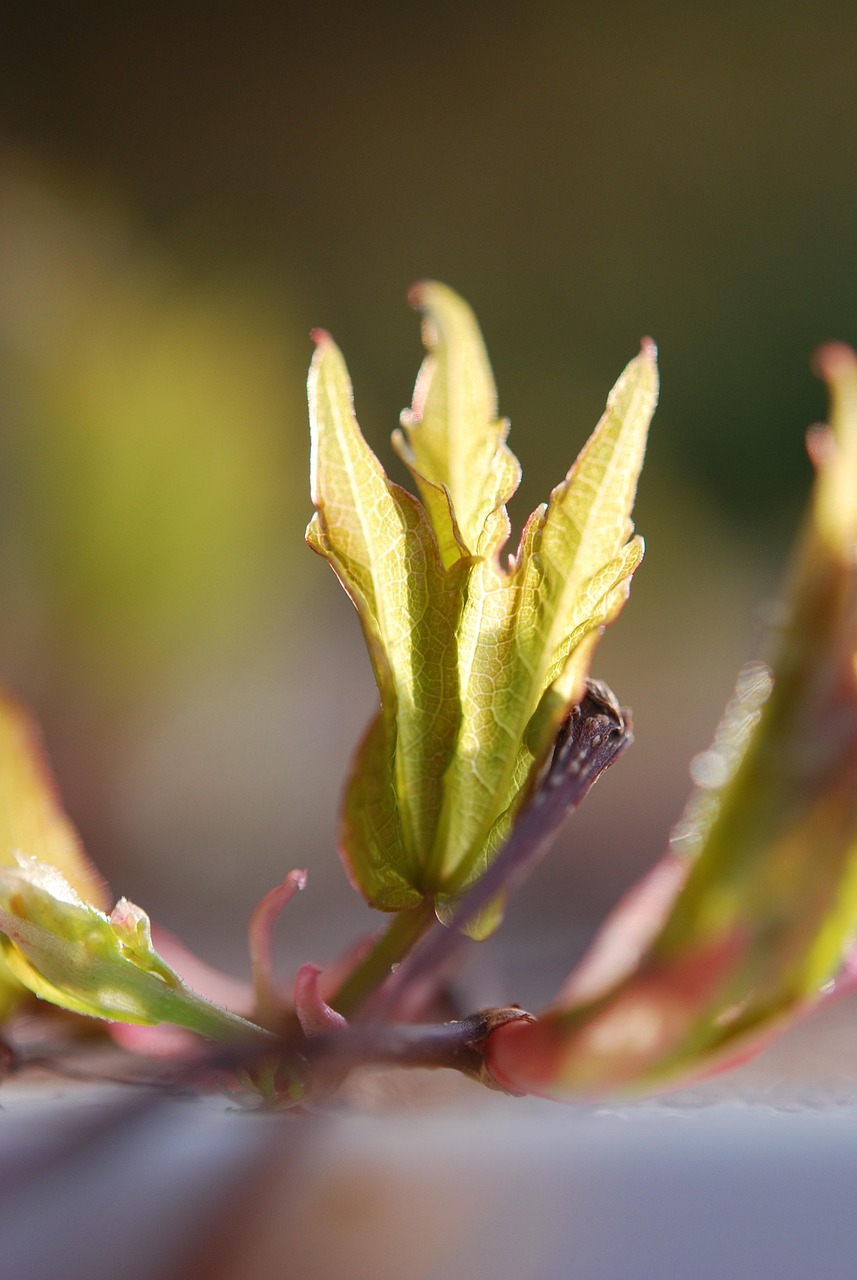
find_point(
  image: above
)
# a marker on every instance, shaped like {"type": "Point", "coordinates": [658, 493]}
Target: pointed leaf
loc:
{"type": "Point", "coordinates": [589, 515]}
{"type": "Point", "coordinates": [770, 903]}
{"type": "Point", "coordinates": [532, 630]}
{"type": "Point", "coordinates": [379, 540]}
{"type": "Point", "coordinates": [452, 438]}
{"type": "Point", "coordinates": [476, 662]}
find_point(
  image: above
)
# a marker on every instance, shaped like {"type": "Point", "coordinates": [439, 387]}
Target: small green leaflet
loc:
{"type": "Point", "coordinates": [56, 938]}
{"type": "Point", "coordinates": [65, 950]}
{"type": "Point", "coordinates": [32, 821]}
{"type": "Point", "coordinates": [476, 660]}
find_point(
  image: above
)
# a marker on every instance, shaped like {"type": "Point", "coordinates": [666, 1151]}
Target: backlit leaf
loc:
{"type": "Point", "coordinates": [476, 661]}
{"type": "Point", "coordinates": [380, 542]}
{"type": "Point", "coordinates": [452, 438]}
{"type": "Point", "coordinates": [64, 950]}
{"type": "Point", "coordinates": [769, 904]}
{"type": "Point", "coordinates": [529, 630]}
{"type": "Point", "coordinates": [32, 821]}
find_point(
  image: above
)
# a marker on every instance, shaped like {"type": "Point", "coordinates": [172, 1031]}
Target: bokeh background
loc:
{"type": "Point", "coordinates": [187, 188]}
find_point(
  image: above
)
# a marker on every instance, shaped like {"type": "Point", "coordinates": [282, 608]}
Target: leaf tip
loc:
{"type": "Point", "coordinates": [834, 360]}
{"type": "Point", "coordinates": [321, 338]}
{"type": "Point", "coordinates": [649, 349]}
{"type": "Point", "coordinates": [416, 295]}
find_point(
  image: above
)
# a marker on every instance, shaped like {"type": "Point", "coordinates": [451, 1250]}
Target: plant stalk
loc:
{"type": "Point", "coordinates": [458, 1046]}
{"type": "Point", "coordinates": [596, 732]}
{"type": "Point", "coordinates": [402, 934]}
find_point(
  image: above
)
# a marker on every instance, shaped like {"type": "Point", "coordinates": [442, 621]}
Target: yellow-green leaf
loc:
{"type": "Point", "coordinates": [32, 820]}
{"type": "Point", "coordinates": [452, 439]}
{"type": "Point", "coordinates": [476, 661]}
{"type": "Point", "coordinates": [380, 542]}
{"type": "Point", "coordinates": [769, 906]}
{"type": "Point", "coordinates": [66, 951]}
{"type": "Point", "coordinates": [531, 629]}
{"type": "Point", "coordinates": [370, 834]}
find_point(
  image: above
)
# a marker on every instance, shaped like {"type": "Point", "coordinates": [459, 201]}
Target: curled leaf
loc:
{"type": "Point", "coordinates": [268, 1003]}
{"type": "Point", "coordinates": [315, 1016]}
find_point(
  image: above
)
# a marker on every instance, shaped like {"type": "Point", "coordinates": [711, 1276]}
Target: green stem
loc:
{"type": "Point", "coordinates": [402, 934]}
{"type": "Point", "coordinates": [185, 1008]}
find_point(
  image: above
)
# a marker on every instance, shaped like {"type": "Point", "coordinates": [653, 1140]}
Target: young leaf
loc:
{"type": "Point", "coordinates": [769, 903]}
{"type": "Point", "coordinates": [452, 439]}
{"type": "Point", "coordinates": [476, 662]}
{"type": "Point", "coordinates": [66, 951]}
{"type": "Point", "coordinates": [379, 540]}
{"type": "Point", "coordinates": [527, 633]}
{"type": "Point", "coordinates": [32, 821]}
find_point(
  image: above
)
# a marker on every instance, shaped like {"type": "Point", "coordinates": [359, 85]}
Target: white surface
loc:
{"type": "Point", "coordinates": [747, 1176]}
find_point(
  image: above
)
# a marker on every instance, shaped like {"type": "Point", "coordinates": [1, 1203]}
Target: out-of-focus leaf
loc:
{"type": "Point", "coordinates": [66, 951]}
{"type": "Point", "coordinates": [32, 821]}
{"type": "Point", "coordinates": [269, 1002]}
{"type": "Point", "coordinates": [314, 1014]}
{"type": "Point", "coordinates": [143, 426]}
{"type": "Point", "coordinates": [769, 906]}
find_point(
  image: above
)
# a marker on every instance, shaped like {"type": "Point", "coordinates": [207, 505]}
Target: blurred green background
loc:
{"type": "Point", "coordinates": [186, 188]}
